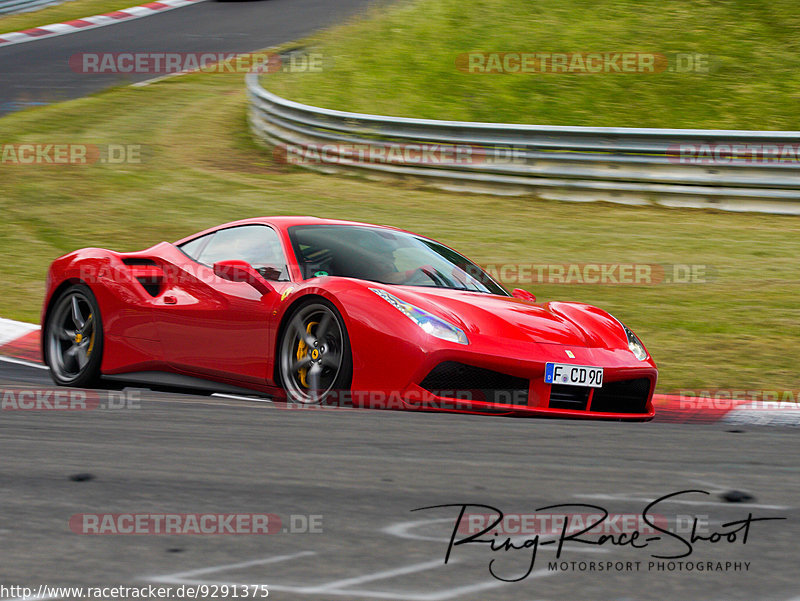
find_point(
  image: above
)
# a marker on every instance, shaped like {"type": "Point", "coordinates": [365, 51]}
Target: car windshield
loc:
{"type": "Point", "coordinates": [385, 256]}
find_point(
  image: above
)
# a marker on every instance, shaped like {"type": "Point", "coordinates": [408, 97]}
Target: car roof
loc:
{"type": "Point", "coordinates": [285, 221]}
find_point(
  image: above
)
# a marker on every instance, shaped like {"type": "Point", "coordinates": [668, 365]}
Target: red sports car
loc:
{"type": "Point", "coordinates": [317, 311]}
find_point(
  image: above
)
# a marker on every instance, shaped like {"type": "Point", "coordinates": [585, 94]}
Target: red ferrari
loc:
{"type": "Point", "coordinates": [317, 311]}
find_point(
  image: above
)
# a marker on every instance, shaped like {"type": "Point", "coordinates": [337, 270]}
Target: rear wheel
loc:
{"type": "Point", "coordinates": [314, 354]}
{"type": "Point", "coordinates": [74, 338]}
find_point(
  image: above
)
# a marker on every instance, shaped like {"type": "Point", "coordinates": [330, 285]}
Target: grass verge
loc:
{"type": "Point", "coordinates": [401, 61]}
{"type": "Point", "coordinates": [202, 168]}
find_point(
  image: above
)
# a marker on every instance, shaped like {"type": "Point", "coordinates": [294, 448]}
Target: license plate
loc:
{"type": "Point", "coordinates": [573, 375]}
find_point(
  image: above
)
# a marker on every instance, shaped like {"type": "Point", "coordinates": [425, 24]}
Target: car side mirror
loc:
{"type": "Point", "coordinates": [523, 295]}
{"type": "Point", "coordinates": [241, 271]}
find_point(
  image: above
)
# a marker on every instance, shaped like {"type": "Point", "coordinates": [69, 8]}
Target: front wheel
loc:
{"type": "Point", "coordinates": [314, 354]}
{"type": "Point", "coordinates": [74, 338]}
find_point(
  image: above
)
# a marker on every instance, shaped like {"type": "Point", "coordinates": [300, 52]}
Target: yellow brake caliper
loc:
{"type": "Point", "coordinates": [91, 342]}
{"type": "Point", "coordinates": [302, 353]}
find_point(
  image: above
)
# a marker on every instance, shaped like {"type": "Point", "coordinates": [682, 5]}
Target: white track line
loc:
{"type": "Point", "coordinates": [147, 82]}
{"type": "Point", "coordinates": [23, 362]}
{"type": "Point", "coordinates": [331, 587]}
{"type": "Point", "coordinates": [337, 587]}
{"type": "Point", "coordinates": [241, 398]}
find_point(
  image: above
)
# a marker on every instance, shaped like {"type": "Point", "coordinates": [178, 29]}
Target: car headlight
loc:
{"type": "Point", "coordinates": [634, 344]}
{"type": "Point", "coordinates": [427, 321]}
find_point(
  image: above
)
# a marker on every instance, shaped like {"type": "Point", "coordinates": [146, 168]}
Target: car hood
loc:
{"type": "Point", "coordinates": [503, 317]}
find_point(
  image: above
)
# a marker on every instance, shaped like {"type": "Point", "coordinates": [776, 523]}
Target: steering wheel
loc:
{"type": "Point", "coordinates": [423, 275]}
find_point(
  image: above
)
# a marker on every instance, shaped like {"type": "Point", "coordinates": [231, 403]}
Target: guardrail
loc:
{"type": "Point", "coordinates": [14, 6]}
{"type": "Point", "coordinates": [623, 165]}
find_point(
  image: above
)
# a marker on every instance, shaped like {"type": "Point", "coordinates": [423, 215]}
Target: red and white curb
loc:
{"type": "Point", "coordinates": [19, 343]}
{"type": "Point", "coordinates": [741, 412]}
{"type": "Point", "coordinates": [56, 29]}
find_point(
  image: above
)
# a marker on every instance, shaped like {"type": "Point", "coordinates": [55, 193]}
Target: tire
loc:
{"type": "Point", "coordinates": [314, 357]}
{"type": "Point", "coordinates": [73, 338]}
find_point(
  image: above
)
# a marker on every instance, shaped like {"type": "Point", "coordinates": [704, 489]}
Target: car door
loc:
{"type": "Point", "coordinates": [215, 327]}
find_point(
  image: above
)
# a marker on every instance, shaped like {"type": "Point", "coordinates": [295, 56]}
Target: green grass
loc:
{"type": "Point", "coordinates": [202, 169]}
{"type": "Point", "coordinates": [402, 61]}
{"type": "Point", "coordinates": [66, 11]}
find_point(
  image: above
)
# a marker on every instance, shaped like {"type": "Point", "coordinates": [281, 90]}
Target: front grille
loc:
{"type": "Point", "coordinates": [569, 397]}
{"type": "Point", "coordinates": [461, 381]}
{"type": "Point", "coordinates": [625, 396]}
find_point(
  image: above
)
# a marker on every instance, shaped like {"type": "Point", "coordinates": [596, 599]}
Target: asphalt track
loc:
{"type": "Point", "coordinates": [363, 472]}
{"type": "Point", "coordinates": [38, 72]}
